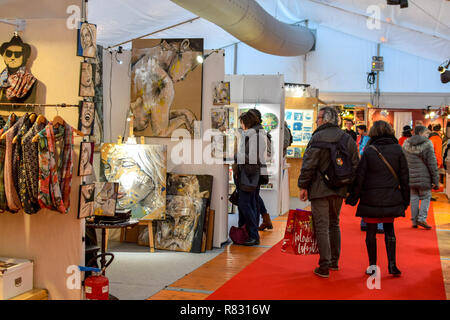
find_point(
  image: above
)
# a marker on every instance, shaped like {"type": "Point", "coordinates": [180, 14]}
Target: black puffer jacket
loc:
{"type": "Point", "coordinates": [376, 187]}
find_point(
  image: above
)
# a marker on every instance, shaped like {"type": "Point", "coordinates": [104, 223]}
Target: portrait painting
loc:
{"type": "Point", "coordinates": [105, 198]}
{"type": "Point", "coordinates": [85, 166]}
{"type": "Point", "coordinates": [87, 200]}
{"type": "Point", "coordinates": [188, 199]}
{"type": "Point", "coordinates": [86, 117]}
{"type": "Point", "coordinates": [221, 93]}
{"type": "Point", "coordinates": [166, 86]}
{"type": "Point", "coordinates": [87, 38]}
{"type": "Point", "coordinates": [87, 80]}
{"type": "Point", "coordinates": [140, 170]}
{"type": "Point", "coordinates": [219, 119]}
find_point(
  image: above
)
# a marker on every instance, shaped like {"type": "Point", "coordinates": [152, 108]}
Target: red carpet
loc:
{"type": "Point", "coordinates": [279, 276]}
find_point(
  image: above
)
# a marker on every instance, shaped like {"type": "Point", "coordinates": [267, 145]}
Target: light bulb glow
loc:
{"type": "Point", "coordinates": [432, 114]}
{"type": "Point", "coordinates": [200, 59]}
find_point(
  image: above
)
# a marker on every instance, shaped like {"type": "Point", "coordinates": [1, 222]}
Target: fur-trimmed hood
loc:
{"type": "Point", "coordinates": [417, 144]}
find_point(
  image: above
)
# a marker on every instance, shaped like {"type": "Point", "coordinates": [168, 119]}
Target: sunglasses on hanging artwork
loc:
{"type": "Point", "coordinates": [17, 54]}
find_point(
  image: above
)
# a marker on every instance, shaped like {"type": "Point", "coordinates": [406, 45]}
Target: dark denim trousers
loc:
{"type": "Point", "coordinates": [248, 213]}
{"type": "Point", "coordinates": [325, 212]}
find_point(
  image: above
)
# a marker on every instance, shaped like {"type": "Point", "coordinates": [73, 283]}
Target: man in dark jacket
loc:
{"type": "Point", "coordinates": [423, 174]}
{"type": "Point", "coordinates": [325, 202]}
{"type": "Point", "coordinates": [349, 128]}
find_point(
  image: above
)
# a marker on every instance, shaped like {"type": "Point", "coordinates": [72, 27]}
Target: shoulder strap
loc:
{"type": "Point", "coordinates": [386, 162]}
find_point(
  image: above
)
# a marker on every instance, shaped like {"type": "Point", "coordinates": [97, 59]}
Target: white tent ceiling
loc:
{"type": "Point", "coordinates": [423, 29]}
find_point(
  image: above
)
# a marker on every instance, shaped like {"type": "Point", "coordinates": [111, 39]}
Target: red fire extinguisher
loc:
{"type": "Point", "coordinates": [96, 286]}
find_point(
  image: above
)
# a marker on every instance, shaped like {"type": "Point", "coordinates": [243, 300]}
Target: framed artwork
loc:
{"type": "Point", "coordinates": [219, 119]}
{"type": "Point", "coordinates": [140, 171]}
{"type": "Point", "coordinates": [87, 80]}
{"type": "Point", "coordinates": [360, 115]}
{"type": "Point", "coordinates": [269, 121]}
{"type": "Point", "coordinates": [85, 165]}
{"type": "Point", "coordinates": [301, 124]}
{"type": "Point", "coordinates": [86, 202]}
{"type": "Point", "coordinates": [166, 86]}
{"type": "Point", "coordinates": [86, 117]}
{"type": "Point", "coordinates": [221, 93]}
{"type": "Point", "coordinates": [188, 199]}
{"type": "Point", "coordinates": [105, 198]}
{"type": "Point", "coordinates": [87, 38]}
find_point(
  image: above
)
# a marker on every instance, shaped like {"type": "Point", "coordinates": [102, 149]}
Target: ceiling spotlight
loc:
{"type": "Point", "coordinates": [445, 73]}
{"type": "Point", "coordinates": [402, 3]}
{"type": "Point", "coordinates": [200, 59]}
{"type": "Point", "coordinates": [119, 51]}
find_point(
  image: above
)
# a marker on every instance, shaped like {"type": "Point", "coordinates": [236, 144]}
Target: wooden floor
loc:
{"type": "Point", "coordinates": [200, 283]}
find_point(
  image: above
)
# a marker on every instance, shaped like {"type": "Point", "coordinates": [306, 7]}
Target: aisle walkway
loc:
{"type": "Point", "coordinates": [199, 284]}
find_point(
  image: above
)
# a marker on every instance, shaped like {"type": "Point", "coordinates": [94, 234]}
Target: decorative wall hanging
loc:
{"type": "Point", "coordinates": [269, 121]}
{"type": "Point", "coordinates": [85, 167]}
{"type": "Point", "coordinates": [87, 81]}
{"type": "Point", "coordinates": [301, 124]}
{"type": "Point", "coordinates": [87, 200]}
{"type": "Point", "coordinates": [86, 117]}
{"type": "Point", "coordinates": [87, 38]}
{"type": "Point", "coordinates": [188, 198]}
{"type": "Point", "coordinates": [166, 86]}
{"type": "Point", "coordinates": [221, 93]}
{"type": "Point", "coordinates": [17, 84]}
{"type": "Point", "coordinates": [140, 171]}
{"type": "Point", "coordinates": [105, 198]}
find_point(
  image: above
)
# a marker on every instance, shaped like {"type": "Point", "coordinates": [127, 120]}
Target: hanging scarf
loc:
{"type": "Point", "coordinates": [3, 202]}
{"type": "Point", "coordinates": [55, 179]}
{"type": "Point", "coordinates": [17, 84]}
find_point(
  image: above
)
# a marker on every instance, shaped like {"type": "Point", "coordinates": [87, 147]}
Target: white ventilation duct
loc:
{"type": "Point", "coordinates": [250, 23]}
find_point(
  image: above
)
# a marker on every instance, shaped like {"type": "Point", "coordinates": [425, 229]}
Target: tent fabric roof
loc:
{"type": "Point", "coordinates": [422, 29]}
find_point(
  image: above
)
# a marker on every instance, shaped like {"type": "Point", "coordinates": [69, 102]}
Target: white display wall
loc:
{"type": "Point", "coordinates": [266, 93]}
{"type": "Point", "coordinates": [116, 125]}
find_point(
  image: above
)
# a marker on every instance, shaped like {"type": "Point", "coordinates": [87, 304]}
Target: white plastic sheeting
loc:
{"type": "Point", "coordinates": [422, 29]}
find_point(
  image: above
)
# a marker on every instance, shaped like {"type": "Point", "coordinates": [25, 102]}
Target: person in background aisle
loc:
{"type": "Point", "coordinates": [247, 173]}
{"type": "Point", "coordinates": [423, 174]}
{"type": "Point", "coordinates": [436, 139]}
{"type": "Point", "coordinates": [288, 139]}
{"type": "Point", "coordinates": [349, 125]}
{"type": "Point", "coordinates": [266, 223]}
{"type": "Point", "coordinates": [405, 135]}
{"type": "Point", "coordinates": [383, 191]}
{"type": "Point", "coordinates": [362, 141]}
{"type": "Point", "coordinates": [326, 203]}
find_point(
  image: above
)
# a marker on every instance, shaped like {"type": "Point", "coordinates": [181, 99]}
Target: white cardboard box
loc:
{"type": "Point", "coordinates": [16, 277]}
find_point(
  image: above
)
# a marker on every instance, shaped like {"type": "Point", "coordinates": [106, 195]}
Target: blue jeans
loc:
{"type": "Point", "coordinates": [248, 213]}
{"type": "Point", "coordinates": [420, 212]}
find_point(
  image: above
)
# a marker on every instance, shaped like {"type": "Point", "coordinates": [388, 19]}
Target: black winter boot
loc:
{"type": "Point", "coordinates": [390, 250]}
{"type": "Point", "coordinates": [371, 245]}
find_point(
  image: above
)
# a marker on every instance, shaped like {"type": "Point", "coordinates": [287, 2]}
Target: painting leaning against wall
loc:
{"type": "Point", "coordinates": [188, 199]}
{"type": "Point", "coordinates": [166, 86]}
{"type": "Point", "coordinates": [140, 171]}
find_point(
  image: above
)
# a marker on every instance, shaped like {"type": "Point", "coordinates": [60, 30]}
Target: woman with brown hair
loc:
{"type": "Point", "coordinates": [382, 188]}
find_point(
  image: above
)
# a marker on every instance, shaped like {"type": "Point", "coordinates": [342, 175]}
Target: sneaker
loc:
{"type": "Point", "coordinates": [334, 267]}
{"type": "Point", "coordinates": [324, 273]}
{"type": "Point", "coordinates": [423, 224]}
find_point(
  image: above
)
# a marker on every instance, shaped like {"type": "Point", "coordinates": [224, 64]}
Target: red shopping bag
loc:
{"type": "Point", "coordinates": [299, 237]}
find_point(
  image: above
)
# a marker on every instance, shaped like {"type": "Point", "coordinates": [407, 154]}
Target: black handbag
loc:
{"type": "Point", "coordinates": [234, 198]}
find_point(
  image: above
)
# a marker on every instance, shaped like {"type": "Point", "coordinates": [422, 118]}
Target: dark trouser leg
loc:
{"type": "Point", "coordinates": [391, 243]}
{"type": "Point", "coordinates": [334, 230]}
{"type": "Point", "coordinates": [371, 243]}
{"type": "Point", "coordinates": [320, 214]}
{"type": "Point", "coordinates": [248, 209]}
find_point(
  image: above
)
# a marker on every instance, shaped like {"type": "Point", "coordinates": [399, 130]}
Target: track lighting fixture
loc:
{"type": "Point", "coordinates": [445, 73]}
{"type": "Point", "coordinates": [402, 3]}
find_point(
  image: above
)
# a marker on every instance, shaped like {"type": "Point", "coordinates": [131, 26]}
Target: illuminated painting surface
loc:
{"type": "Point", "coordinates": [188, 198]}
{"type": "Point", "coordinates": [140, 171]}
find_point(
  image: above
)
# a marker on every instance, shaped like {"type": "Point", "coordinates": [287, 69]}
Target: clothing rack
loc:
{"type": "Point", "coordinates": [61, 105]}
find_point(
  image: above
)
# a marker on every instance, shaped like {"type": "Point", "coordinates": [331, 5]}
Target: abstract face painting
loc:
{"type": "Point", "coordinates": [219, 119]}
{"type": "Point", "coordinates": [87, 82]}
{"type": "Point", "coordinates": [140, 171]}
{"type": "Point", "coordinates": [86, 167]}
{"type": "Point", "coordinates": [87, 38]}
{"type": "Point", "coordinates": [187, 201]}
{"type": "Point", "coordinates": [87, 200]}
{"type": "Point", "coordinates": [105, 198]}
{"type": "Point", "coordinates": [87, 117]}
{"type": "Point", "coordinates": [166, 86]}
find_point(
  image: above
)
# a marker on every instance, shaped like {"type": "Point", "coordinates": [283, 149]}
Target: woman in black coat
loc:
{"type": "Point", "coordinates": [382, 196]}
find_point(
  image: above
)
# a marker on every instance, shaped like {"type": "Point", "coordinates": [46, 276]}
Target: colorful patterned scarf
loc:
{"type": "Point", "coordinates": [17, 84]}
{"type": "Point", "coordinates": [55, 179]}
